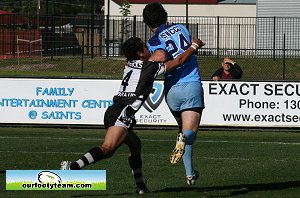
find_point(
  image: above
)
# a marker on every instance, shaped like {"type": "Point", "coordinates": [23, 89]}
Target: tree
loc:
{"type": "Point", "coordinates": [125, 25]}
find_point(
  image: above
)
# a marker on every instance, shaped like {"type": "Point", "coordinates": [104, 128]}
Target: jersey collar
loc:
{"type": "Point", "coordinates": [161, 28]}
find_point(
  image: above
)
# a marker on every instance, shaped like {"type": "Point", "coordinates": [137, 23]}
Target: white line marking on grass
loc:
{"type": "Point", "coordinates": [153, 155]}
{"type": "Point", "coordinates": [43, 152]}
{"type": "Point", "coordinates": [151, 140]}
{"type": "Point", "coordinates": [242, 142]}
{"type": "Point", "coordinates": [226, 158]}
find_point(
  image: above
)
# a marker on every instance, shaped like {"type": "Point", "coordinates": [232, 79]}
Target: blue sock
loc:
{"type": "Point", "coordinates": [190, 138]}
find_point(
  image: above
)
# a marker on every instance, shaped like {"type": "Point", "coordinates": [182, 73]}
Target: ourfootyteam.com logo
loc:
{"type": "Point", "coordinates": [155, 98]}
{"type": "Point", "coordinates": [55, 180]}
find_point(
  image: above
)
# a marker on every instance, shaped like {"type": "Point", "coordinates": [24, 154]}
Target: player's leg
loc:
{"type": "Point", "coordinates": [114, 137]}
{"type": "Point", "coordinates": [190, 121]}
{"type": "Point", "coordinates": [191, 115]}
{"type": "Point", "coordinates": [174, 101]}
{"type": "Point", "coordinates": [135, 161]}
{"type": "Point", "coordinates": [180, 98]}
{"type": "Point", "coordinates": [178, 151]}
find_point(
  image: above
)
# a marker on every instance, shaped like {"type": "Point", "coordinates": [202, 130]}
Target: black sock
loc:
{"type": "Point", "coordinates": [92, 156]}
{"type": "Point", "coordinates": [135, 163]}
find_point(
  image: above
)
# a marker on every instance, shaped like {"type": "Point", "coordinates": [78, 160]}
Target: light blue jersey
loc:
{"type": "Point", "coordinates": [174, 40]}
{"type": "Point", "coordinates": [183, 87]}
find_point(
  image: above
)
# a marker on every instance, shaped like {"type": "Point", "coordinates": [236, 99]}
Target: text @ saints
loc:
{"type": "Point", "coordinates": [55, 115]}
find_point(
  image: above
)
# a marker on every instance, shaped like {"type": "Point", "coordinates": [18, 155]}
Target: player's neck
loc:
{"type": "Point", "coordinates": [153, 29]}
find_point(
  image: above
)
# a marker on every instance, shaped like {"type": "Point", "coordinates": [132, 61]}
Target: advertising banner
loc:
{"type": "Point", "coordinates": [84, 101]}
{"type": "Point", "coordinates": [257, 104]}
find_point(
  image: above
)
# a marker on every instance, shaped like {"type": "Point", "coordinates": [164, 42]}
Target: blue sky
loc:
{"type": "Point", "coordinates": [65, 175]}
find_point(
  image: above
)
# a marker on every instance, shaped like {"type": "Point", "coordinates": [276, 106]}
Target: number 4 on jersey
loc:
{"type": "Point", "coordinates": [126, 79]}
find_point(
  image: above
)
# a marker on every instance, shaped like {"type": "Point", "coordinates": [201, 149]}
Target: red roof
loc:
{"type": "Point", "coordinates": [170, 1]}
{"type": "Point", "coordinates": [5, 12]}
{"type": "Point", "coordinates": [11, 18]}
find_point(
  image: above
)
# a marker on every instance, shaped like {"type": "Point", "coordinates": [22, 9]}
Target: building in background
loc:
{"type": "Point", "coordinates": [283, 33]}
{"type": "Point", "coordinates": [226, 8]}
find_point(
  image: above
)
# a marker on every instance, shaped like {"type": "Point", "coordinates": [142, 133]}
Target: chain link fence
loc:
{"type": "Point", "coordinates": [91, 46]}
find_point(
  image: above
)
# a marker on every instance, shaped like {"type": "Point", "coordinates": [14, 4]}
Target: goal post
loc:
{"type": "Point", "coordinates": [29, 49]}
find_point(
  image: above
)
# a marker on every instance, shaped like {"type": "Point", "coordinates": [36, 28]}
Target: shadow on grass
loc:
{"type": "Point", "coordinates": [233, 189]}
{"type": "Point", "coordinates": [238, 189]}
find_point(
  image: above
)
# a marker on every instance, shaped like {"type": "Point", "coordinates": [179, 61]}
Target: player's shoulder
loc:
{"type": "Point", "coordinates": [182, 27]}
{"type": "Point", "coordinates": [154, 41]}
{"type": "Point", "coordinates": [152, 65]}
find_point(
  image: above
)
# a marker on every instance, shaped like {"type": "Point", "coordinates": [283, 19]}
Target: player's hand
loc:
{"type": "Point", "coordinates": [215, 78]}
{"type": "Point", "coordinates": [198, 42]}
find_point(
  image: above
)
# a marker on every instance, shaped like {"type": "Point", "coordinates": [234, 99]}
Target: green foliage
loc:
{"type": "Point", "coordinates": [125, 25]}
{"type": "Point", "coordinates": [29, 8]}
{"type": "Point", "coordinates": [125, 8]}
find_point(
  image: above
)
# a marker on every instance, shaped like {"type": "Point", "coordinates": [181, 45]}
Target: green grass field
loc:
{"type": "Point", "coordinates": [112, 67]}
{"type": "Point", "coordinates": [231, 163]}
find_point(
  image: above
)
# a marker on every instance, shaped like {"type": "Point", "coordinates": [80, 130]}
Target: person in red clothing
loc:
{"type": "Point", "coordinates": [229, 70]}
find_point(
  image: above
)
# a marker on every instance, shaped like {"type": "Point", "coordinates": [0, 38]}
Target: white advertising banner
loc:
{"type": "Point", "coordinates": [257, 104]}
{"type": "Point", "coordinates": [84, 101]}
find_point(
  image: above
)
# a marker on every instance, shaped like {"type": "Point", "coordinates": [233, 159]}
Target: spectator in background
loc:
{"type": "Point", "coordinates": [229, 70]}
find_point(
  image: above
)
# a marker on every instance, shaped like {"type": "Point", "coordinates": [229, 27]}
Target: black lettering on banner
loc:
{"type": "Point", "coordinates": [256, 118]}
{"type": "Point", "coordinates": [286, 90]}
{"type": "Point", "coordinates": [242, 88]}
{"type": "Point", "coordinates": [264, 118]}
{"type": "Point", "coordinates": [242, 103]}
{"type": "Point", "coordinates": [282, 90]}
{"type": "Point", "coordinates": [212, 88]}
{"type": "Point", "coordinates": [268, 90]}
{"type": "Point", "coordinates": [223, 89]}
{"type": "Point", "coordinates": [296, 118]}
{"type": "Point", "coordinates": [233, 89]}
{"type": "Point", "coordinates": [278, 90]}
{"type": "Point", "coordinates": [277, 118]}
{"type": "Point", "coordinates": [254, 88]}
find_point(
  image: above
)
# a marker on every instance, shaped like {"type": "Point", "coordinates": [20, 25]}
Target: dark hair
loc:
{"type": "Point", "coordinates": [154, 15]}
{"type": "Point", "coordinates": [131, 47]}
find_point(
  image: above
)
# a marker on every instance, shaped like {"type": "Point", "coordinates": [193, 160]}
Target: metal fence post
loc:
{"type": "Point", "coordinates": [88, 37]}
{"type": "Point", "coordinates": [52, 36]}
{"type": "Point", "coordinates": [107, 35]}
{"type": "Point", "coordinates": [82, 50]}
{"type": "Point", "coordinates": [14, 35]}
{"type": "Point", "coordinates": [274, 37]}
{"type": "Point", "coordinates": [283, 69]}
{"type": "Point", "coordinates": [134, 26]}
{"type": "Point", "coordinates": [218, 36]}
{"type": "Point", "coordinates": [239, 39]}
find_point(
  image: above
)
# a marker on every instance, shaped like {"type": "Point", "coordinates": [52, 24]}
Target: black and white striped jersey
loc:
{"type": "Point", "coordinates": [137, 82]}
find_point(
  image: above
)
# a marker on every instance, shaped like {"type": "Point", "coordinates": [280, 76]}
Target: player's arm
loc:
{"type": "Point", "coordinates": [159, 56]}
{"type": "Point", "coordinates": [179, 60]}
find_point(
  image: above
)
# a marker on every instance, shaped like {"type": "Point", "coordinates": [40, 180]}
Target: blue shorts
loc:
{"type": "Point", "coordinates": [185, 96]}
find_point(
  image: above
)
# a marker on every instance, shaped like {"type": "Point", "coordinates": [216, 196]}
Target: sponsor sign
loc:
{"type": "Point", "coordinates": [257, 104]}
{"type": "Point", "coordinates": [82, 101]}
